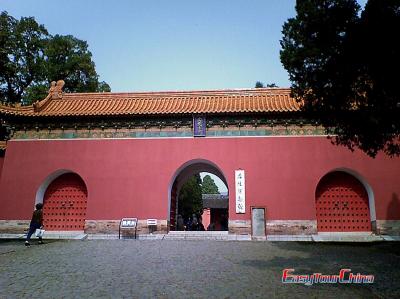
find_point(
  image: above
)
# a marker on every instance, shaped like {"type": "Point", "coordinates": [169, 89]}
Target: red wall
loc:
{"type": "Point", "coordinates": [131, 177]}
{"type": "Point", "coordinates": [1, 165]}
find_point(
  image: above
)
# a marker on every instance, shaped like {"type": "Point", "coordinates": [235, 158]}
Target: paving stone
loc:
{"type": "Point", "coordinates": [191, 269]}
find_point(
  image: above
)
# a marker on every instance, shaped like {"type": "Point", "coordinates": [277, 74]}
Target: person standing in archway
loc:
{"type": "Point", "coordinates": [180, 224]}
{"type": "Point", "coordinates": [194, 222]}
{"type": "Point", "coordinates": [36, 223]}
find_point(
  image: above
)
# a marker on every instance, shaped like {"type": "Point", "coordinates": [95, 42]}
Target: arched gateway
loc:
{"type": "Point", "coordinates": [342, 204]}
{"type": "Point", "coordinates": [187, 170]}
{"type": "Point", "coordinates": [65, 202]}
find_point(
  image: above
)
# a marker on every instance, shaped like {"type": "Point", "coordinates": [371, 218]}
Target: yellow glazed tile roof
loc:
{"type": "Point", "coordinates": [258, 100]}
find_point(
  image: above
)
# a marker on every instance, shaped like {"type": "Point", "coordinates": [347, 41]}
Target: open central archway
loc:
{"type": "Point", "coordinates": [216, 208]}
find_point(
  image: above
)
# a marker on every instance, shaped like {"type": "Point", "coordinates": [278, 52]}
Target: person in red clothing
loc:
{"type": "Point", "coordinates": [36, 223]}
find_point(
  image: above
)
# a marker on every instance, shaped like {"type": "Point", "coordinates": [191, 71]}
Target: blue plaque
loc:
{"type": "Point", "coordinates": [199, 126]}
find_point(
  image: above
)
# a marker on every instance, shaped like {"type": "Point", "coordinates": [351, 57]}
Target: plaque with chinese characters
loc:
{"type": "Point", "coordinates": [199, 126]}
{"type": "Point", "coordinates": [240, 192]}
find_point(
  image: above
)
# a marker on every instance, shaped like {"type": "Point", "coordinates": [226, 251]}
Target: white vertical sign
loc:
{"type": "Point", "coordinates": [240, 192]}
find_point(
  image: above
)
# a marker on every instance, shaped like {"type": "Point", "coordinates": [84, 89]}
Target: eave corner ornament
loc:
{"type": "Point", "coordinates": [55, 92]}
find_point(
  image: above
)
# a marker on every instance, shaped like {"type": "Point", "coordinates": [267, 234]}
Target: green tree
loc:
{"type": "Point", "coordinates": [22, 61]}
{"type": "Point", "coordinates": [272, 85]}
{"type": "Point", "coordinates": [190, 200]}
{"type": "Point", "coordinates": [69, 58]}
{"type": "Point", "coordinates": [259, 84]}
{"type": "Point", "coordinates": [208, 186]}
{"type": "Point", "coordinates": [344, 65]}
{"type": "Point", "coordinates": [30, 58]}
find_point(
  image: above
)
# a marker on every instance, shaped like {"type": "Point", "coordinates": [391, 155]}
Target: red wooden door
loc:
{"type": "Point", "coordinates": [65, 202]}
{"type": "Point", "coordinates": [342, 204]}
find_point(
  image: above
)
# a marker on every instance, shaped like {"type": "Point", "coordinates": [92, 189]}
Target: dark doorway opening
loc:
{"type": "Point", "coordinates": [199, 199]}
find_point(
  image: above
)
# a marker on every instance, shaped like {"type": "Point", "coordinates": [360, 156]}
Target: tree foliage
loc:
{"type": "Point", "coordinates": [30, 58]}
{"type": "Point", "coordinates": [22, 61]}
{"type": "Point", "coordinates": [208, 186]}
{"type": "Point", "coordinates": [344, 65]}
{"type": "Point", "coordinates": [259, 84]}
{"type": "Point", "coordinates": [190, 201]}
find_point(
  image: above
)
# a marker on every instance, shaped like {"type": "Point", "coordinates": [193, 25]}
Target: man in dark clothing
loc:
{"type": "Point", "coordinates": [36, 223]}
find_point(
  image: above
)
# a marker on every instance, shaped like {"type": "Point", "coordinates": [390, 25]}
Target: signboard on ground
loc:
{"type": "Point", "coordinates": [127, 223]}
{"type": "Point", "coordinates": [151, 222]}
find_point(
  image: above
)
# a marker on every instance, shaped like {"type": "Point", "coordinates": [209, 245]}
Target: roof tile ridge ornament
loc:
{"type": "Point", "coordinates": [55, 93]}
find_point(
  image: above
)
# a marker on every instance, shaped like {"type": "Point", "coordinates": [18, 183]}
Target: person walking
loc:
{"type": "Point", "coordinates": [180, 224]}
{"type": "Point", "coordinates": [36, 223]}
{"type": "Point", "coordinates": [194, 222]}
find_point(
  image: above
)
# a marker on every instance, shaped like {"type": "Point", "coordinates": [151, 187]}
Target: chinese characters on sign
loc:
{"type": "Point", "coordinates": [240, 192]}
{"type": "Point", "coordinates": [128, 222]}
{"type": "Point", "coordinates": [199, 126]}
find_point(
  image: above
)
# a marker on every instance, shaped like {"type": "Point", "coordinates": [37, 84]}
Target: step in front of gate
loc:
{"type": "Point", "coordinates": [68, 235]}
{"type": "Point", "coordinates": [287, 238]}
{"type": "Point", "coordinates": [347, 237]}
{"type": "Point", "coordinates": [205, 235]}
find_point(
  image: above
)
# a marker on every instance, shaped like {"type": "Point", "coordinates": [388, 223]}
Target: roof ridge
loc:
{"type": "Point", "coordinates": [181, 92]}
{"type": "Point", "coordinates": [250, 100]}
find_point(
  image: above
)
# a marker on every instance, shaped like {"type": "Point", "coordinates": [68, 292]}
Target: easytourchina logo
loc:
{"type": "Point", "coordinates": [344, 276]}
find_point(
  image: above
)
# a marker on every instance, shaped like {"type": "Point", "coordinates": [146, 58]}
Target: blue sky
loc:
{"type": "Point", "coordinates": [172, 45]}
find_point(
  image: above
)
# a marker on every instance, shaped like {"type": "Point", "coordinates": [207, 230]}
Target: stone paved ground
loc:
{"type": "Point", "coordinates": [191, 269]}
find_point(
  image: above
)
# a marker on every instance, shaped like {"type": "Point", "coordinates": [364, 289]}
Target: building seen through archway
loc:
{"type": "Point", "coordinates": [196, 200]}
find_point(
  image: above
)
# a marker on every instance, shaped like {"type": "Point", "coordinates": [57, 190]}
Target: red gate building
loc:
{"type": "Point", "coordinates": [94, 158]}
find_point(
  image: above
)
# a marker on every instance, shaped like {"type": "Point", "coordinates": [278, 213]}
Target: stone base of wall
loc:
{"type": "Point", "coordinates": [273, 227]}
{"type": "Point", "coordinates": [14, 226]}
{"type": "Point", "coordinates": [239, 227]}
{"type": "Point", "coordinates": [91, 227]}
{"type": "Point", "coordinates": [388, 227]}
{"type": "Point", "coordinates": [112, 227]}
{"type": "Point", "coordinates": [291, 227]}
{"type": "Point", "coordinates": [374, 229]}
{"type": "Point", "coordinates": [276, 227]}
